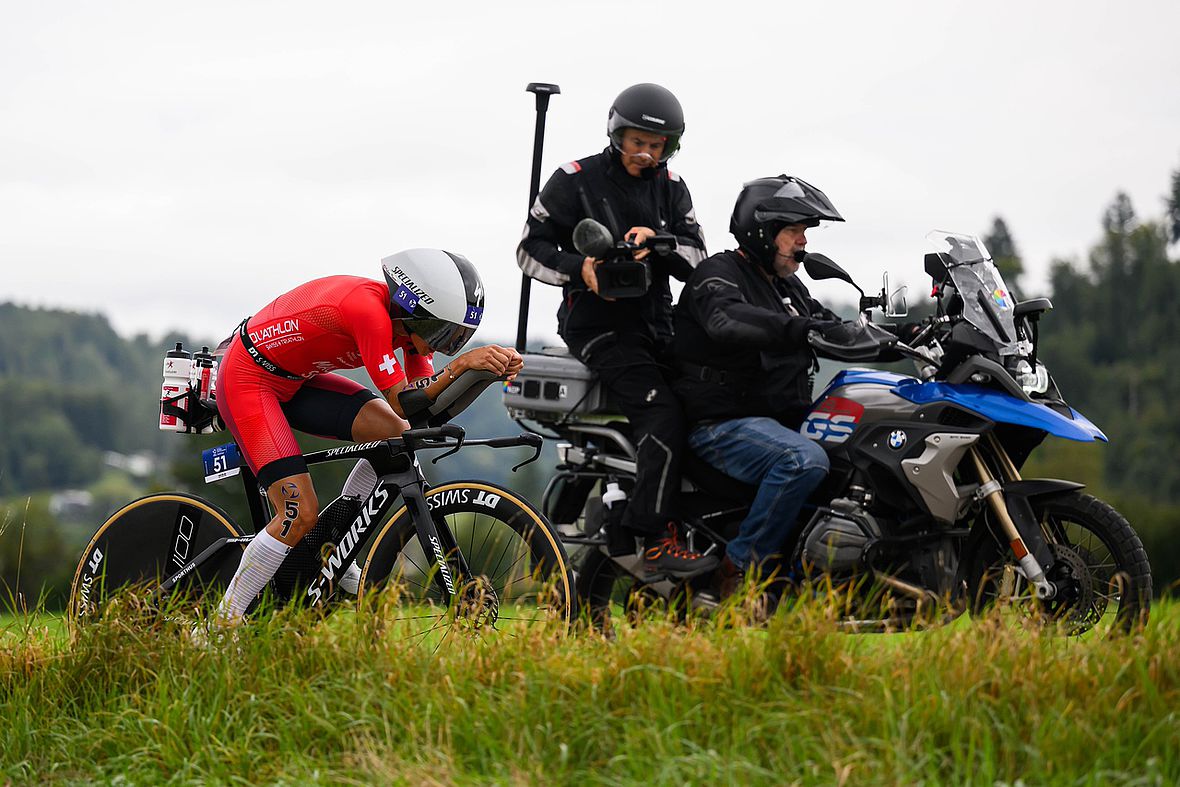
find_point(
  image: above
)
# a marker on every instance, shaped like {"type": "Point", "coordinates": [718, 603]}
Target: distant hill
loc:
{"type": "Point", "coordinates": [72, 389]}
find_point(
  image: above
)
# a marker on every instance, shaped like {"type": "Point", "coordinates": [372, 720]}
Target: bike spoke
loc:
{"type": "Point", "coordinates": [442, 640]}
{"type": "Point", "coordinates": [508, 571]}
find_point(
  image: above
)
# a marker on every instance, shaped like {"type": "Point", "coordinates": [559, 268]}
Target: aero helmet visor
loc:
{"type": "Point", "coordinates": [445, 337]}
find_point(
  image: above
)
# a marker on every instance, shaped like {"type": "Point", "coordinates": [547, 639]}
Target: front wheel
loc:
{"type": "Point", "coordinates": [519, 571]}
{"type": "Point", "coordinates": [145, 542]}
{"type": "Point", "coordinates": [1100, 569]}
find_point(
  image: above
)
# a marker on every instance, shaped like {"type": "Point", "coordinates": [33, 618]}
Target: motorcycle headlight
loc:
{"type": "Point", "coordinates": [1033, 381]}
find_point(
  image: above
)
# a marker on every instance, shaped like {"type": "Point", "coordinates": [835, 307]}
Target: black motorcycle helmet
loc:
{"type": "Point", "coordinates": [767, 205]}
{"type": "Point", "coordinates": [647, 107]}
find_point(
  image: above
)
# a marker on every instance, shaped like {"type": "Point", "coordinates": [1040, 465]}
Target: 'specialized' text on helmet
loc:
{"type": "Point", "coordinates": [647, 107]}
{"type": "Point", "coordinates": [766, 205]}
{"type": "Point", "coordinates": [437, 295]}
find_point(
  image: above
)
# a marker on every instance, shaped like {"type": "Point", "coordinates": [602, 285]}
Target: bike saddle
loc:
{"type": "Point", "coordinates": [851, 341]}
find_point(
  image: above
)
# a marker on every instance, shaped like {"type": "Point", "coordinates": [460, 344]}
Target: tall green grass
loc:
{"type": "Point", "coordinates": [297, 699]}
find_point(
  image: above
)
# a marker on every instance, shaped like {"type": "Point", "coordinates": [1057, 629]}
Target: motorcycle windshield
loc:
{"type": "Point", "coordinates": [987, 303]}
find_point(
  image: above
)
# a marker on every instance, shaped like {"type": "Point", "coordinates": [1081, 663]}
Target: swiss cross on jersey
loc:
{"type": "Point", "coordinates": [833, 420]}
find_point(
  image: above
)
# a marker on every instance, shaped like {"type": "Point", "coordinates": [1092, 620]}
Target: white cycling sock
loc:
{"type": "Point", "coordinates": [361, 481]}
{"type": "Point", "coordinates": [260, 561]}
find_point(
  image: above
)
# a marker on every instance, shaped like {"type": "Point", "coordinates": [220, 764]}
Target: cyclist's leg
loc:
{"type": "Point", "coordinates": [251, 405]}
{"type": "Point", "coordinates": [331, 405]}
{"type": "Point", "coordinates": [293, 497]}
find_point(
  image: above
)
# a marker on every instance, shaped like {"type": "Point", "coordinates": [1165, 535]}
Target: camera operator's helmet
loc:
{"type": "Point", "coordinates": [436, 294]}
{"type": "Point", "coordinates": [647, 107]}
{"type": "Point", "coordinates": [767, 205]}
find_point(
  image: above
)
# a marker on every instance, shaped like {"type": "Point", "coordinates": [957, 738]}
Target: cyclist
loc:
{"type": "Point", "coordinates": [745, 365]}
{"type": "Point", "coordinates": [629, 189]}
{"type": "Point", "coordinates": [277, 375]}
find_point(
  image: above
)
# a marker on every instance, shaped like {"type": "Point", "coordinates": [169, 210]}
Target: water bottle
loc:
{"type": "Point", "coordinates": [614, 500]}
{"type": "Point", "coordinates": [178, 369]}
{"type": "Point", "coordinates": [203, 370]}
{"type": "Point", "coordinates": [613, 494]}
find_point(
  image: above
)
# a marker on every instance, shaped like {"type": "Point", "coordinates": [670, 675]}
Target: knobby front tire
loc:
{"type": "Point", "coordinates": [145, 542]}
{"type": "Point", "coordinates": [508, 545]}
{"type": "Point", "coordinates": [1102, 572]}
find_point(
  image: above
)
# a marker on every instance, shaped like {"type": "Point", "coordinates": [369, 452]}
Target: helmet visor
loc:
{"type": "Point", "coordinates": [445, 337]}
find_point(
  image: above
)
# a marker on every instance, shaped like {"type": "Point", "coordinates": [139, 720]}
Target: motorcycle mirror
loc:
{"type": "Point", "coordinates": [819, 266]}
{"type": "Point", "coordinates": [895, 303]}
{"type": "Point", "coordinates": [937, 265]}
{"type": "Point", "coordinates": [591, 239]}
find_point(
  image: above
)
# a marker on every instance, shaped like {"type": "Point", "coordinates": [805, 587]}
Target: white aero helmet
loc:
{"type": "Point", "coordinates": [436, 294]}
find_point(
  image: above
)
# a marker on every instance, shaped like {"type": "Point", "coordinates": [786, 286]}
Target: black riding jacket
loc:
{"type": "Point", "coordinates": [600, 188]}
{"type": "Point", "coordinates": [741, 342]}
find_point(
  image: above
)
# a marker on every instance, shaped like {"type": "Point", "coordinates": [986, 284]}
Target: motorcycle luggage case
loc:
{"type": "Point", "coordinates": [552, 384]}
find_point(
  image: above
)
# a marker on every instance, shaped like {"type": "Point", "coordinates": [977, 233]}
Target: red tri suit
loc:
{"type": "Point", "coordinates": [338, 322]}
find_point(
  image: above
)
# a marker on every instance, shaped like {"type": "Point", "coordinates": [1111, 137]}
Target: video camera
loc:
{"type": "Point", "coordinates": [619, 275]}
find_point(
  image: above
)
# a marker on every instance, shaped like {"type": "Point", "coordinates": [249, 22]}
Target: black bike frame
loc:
{"type": "Point", "coordinates": [398, 477]}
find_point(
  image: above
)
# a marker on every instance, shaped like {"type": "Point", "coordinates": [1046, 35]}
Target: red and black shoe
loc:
{"type": "Point", "coordinates": [667, 555]}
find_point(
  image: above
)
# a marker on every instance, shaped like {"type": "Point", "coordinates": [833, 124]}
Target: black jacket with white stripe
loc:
{"type": "Point", "coordinates": [741, 342]}
{"type": "Point", "coordinates": [598, 187]}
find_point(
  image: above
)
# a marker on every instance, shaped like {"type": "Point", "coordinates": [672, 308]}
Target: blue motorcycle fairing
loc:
{"type": "Point", "coordinates": [987, 402]}
{"type": "Point", "coordinates": [870, 376]}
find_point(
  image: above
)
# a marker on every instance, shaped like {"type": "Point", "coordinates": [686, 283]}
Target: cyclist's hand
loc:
{"type": "Point", "coordinates": [590, 276]}
{"type": "Point", "coordinates": [493, 358]}
{"type": "Point", "coordinates": [639, 236]}
{"type": "Point", "coordinates": [515, 365]}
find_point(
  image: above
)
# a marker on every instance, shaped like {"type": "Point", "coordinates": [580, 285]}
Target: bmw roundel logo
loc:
{"type": "Point", "coordinates": [897, 439]}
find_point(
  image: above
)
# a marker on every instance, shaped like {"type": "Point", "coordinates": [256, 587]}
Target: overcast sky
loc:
{"type": "Point", "coordinates": [179, 165]}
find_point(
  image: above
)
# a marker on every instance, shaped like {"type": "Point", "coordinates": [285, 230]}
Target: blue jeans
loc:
{"type": "Point", "coordinates": [784, 464]}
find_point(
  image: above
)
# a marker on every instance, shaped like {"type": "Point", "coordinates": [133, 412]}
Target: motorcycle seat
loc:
{"type": "Point", "coordinates": [715, 482]}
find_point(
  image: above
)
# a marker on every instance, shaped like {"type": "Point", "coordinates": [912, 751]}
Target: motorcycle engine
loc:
{"type": "Point", "coordinates": [838, 536]}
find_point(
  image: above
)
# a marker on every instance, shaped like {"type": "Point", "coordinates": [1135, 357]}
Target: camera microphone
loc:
{"type": "Point", "coordinates": [591, 239]}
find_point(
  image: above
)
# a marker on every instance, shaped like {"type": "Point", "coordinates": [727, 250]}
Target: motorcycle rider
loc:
{"type": "Point", "coordinates": [629, 189]}
{"type": "Point", "coordinates": [744, 365]}
{"type": "Point", "coordinates": [275, 376]}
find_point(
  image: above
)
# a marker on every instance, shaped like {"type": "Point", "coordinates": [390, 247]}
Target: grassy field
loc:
{"type": "Point", "coordinates": [297, 700]}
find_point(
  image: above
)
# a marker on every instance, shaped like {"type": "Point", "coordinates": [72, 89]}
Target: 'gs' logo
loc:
{"type": "Point", "coordinates": [833, 420]}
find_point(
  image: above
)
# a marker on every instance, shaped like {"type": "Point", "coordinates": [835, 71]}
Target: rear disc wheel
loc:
{"type": "Point", "coordinates": [144, 543]}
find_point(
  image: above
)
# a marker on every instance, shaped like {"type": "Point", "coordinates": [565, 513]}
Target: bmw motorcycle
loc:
{"type": "Point", "coordinates": [924, 514]}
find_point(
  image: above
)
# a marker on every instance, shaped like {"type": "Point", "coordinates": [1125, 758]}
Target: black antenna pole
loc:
{"type": "Point", "coordinates": [542, 91]}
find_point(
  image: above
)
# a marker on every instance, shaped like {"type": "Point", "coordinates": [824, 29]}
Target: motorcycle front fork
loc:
{"type": "Point", "coordinates": [992, 490]}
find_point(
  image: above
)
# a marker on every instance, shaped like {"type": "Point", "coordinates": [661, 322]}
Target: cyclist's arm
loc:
{"type": "Point", "coordinates": [503, 361]}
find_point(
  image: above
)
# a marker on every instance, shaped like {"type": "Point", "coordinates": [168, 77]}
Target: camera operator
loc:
{"type": "Point", "coordinates": [629, 189]}
{"type": "Point", "coordinates": [744, 364]}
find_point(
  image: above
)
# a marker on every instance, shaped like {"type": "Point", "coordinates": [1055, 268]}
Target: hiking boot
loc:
{"type": "Point", "coordinates": [668, 556]}
{"type": "Point", "coordinates": [731, 578]}
{"type": "Point", "coordinates": [758, 602]}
